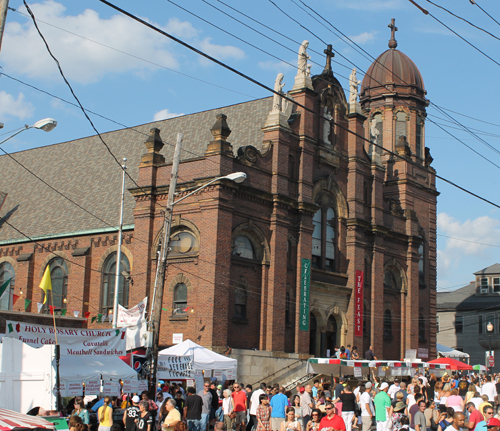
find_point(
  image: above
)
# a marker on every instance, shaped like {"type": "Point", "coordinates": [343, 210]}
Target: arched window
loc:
{"type": "Point", "coordinates": [182, 243]}
{"type": "Point", "coordinates": [388, 325]}
{"type": "Point", "coordinates": [421, 327]}
{"type": "Point", "coordinates": [379, 125]}
{"type": "Point", "coordinates": [289, 253]}
{"type": "Point", "coordinates": [390, 281]}
{"type": "Point", "coordinates": [421, 264]}
{"type": "Point", "coordinates": [180, 298]}
{"type": "Point", "coordinates": [6, 273]}
{"type": "Point", "coordinates": [242, 247]}
{"type": "Point", "coordinates": [400, 125]}
{"type": "Point", "coordinates": [419, 136]}
{"type": "Point", "coordinates": [59, 280]}
{"type": "Point", "coordinates": [240, 302]}
{"type": "Point", "coordinates": [108, 282]}
{"type": "Point", "coordinates": [324, 239]}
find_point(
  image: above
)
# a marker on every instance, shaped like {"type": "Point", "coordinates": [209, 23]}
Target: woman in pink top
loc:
{"type": "Point", "coordinates": [455, 401]}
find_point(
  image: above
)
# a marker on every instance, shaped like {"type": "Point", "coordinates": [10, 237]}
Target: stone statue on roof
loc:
{"type": "Point", "coordinates": [303, 57]}
{"type": "Point", "coordinates": [353, 86]}
{"type": "Point", "coordinates": [278, 101]}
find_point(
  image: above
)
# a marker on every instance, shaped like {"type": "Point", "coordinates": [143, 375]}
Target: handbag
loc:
{"type": "Point", "coordinates": [232, 415]}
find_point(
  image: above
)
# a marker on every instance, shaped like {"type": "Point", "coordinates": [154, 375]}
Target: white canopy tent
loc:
{"type": "Point", "coordinates": [203, 358]}
{"type": "Point", "coordinates": [451, 353]}
{"type": "Point", "coordinates": [84, 368]}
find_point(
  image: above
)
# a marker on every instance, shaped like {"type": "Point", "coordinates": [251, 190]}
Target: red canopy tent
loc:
{"type": "Point", "coordinates": [453, 363]}
{"type": "Point", "coordinates": [10, 420]}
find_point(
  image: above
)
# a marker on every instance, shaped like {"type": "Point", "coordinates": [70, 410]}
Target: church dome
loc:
{"type": "Point", "coordinates": [392, 74]}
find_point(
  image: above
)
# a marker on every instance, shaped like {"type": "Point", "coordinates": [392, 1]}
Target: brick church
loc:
{"type": "Point", "coordinates": [320, 186]}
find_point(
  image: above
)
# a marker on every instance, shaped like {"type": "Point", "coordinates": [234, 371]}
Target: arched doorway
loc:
{"type": "Point", "coordinates": [330, 337]}
{"type": "Point", "coordinates": [313, 328]}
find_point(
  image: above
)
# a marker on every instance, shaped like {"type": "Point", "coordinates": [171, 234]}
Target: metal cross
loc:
{"type": "Point", "coordinates": [393, 28]}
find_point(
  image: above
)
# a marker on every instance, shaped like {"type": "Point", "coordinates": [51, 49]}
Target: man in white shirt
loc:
{"type": "Point", "coordinates": [489, 389]}
{"type": "Point", "coordinates": [394, 389]}
{"type": "Point", "coordinates": [254, 403]}
{"type": "Point", "coordinates": [424, 379]}
{"type": "Point", "coordinates": [366, 404]}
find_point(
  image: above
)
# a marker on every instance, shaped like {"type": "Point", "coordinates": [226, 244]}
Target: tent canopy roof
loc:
{"type": "Point", "coordinates": [203, 358]}
{"type": "Point", "coordinates": [11, 420]}
{"type": "Point", "coordinates": [451, 353]}
{"type": "Point", "coordinates": [76, 368]}
{"type": "Point", "coordinates": [453, 363]}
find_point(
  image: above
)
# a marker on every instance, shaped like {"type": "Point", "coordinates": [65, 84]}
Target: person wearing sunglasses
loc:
{"type": "Point", "coordinates": [313, 424]}
{"type": "Point", "coordinates": [488, 413]}
{"type": "Point", "coordinates": [332, 421]}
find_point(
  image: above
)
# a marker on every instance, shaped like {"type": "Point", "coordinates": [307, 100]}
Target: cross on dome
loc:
{"type": "Point", "coordinates": [392, 42]}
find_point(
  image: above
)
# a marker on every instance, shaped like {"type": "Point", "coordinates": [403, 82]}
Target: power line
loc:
{"type": "Point", "coordinates": [476, 3]}
{"type": "Point", "coordinates": [463, 19]}
{"type": "Point", "coordinates": [465, 40]}
{"type": "Point", "coordinates": [466, 240]}
{"type": "Point", "coordinates": [222, 64]}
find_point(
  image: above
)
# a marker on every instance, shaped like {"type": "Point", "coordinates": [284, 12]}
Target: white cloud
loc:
{"type": "Point", "coordinates": [181, 29]}
{"type": "Point", "coordinates": [277, 66]}
{"type": "Point", "coordinates": [466, 251]}
{"type": "Point", "coordinates": [165, 114]}
{"type": "Point", "coordinates": [364, 37]}
{"type": "Point", "coordinates": [84, 61]}
{"type": "Point", "coordinates": [12, 107]}
{"type": "Point", "coordinates": [221, 52]}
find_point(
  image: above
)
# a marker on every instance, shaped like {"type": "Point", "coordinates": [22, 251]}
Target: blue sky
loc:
{"type": "Point", "coordinates": [132, 75]}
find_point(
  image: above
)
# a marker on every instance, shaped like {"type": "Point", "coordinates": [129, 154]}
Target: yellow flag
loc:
{"type": "Point", "coordinates": [46, 284]}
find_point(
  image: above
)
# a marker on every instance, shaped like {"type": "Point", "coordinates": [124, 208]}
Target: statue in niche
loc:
{"type": "Point", "coordinates": [278, 105]}
{"type": "Point", "coordinates": [326, 125]}
{"type": "Point", "coordinates": [353, 85]}
{"type": "Point", "coordinates": [374, 132]}
{"type": "Point", "coordinates": [303, 57]}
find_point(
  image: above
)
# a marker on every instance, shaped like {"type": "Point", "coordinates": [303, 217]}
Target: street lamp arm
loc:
{"type": "Point", "coordinates": [15, 134]}
{"type": "Point", "coordinates": [229, 177]}
{"type": "Point", "coordinates": [47, 125]}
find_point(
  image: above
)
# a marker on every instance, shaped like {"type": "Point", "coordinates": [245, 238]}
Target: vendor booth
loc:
{"type": "Point", "coordinates": [359, 368]}
{"type": "Point", "coordinates": [451, 363]}
{"type": "Point", "coordinates": [10, 420]}
{"type": "Point", "coordinates": [188, 360]}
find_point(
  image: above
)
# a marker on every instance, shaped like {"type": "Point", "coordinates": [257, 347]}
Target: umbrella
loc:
{"type": "Point", "coordinates": [10, 420]}
{"type": "Point", "coordinates": [479, 367]}
{"type": "Point", "coordinates": [453, 363]}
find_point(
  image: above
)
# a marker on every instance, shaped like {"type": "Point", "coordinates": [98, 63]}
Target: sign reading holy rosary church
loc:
{"type": "Point", "coordinates": [73, 341]}
{"type": "Point", "coordinates": [305, 282]}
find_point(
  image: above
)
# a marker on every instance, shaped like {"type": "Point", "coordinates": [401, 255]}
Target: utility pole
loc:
{"type": "Point", "coordinates": [4, 6]}
{"type": "Point", "coordinates": [119, 252]}
{"type": "Point", "coordinates": [162, 263]}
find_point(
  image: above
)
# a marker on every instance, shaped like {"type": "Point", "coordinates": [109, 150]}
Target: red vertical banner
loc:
{"type": "Point", "coordinates": [358, 304]}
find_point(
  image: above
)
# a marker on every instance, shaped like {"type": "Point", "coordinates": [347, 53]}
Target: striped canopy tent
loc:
{"type": "Point", "coordinates": [10, 420]}
{"type": "Point", "coordinates": [346, 367]}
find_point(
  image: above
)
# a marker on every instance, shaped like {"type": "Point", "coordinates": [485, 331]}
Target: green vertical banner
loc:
{"type": "Point", "coordinates": [305, 283]}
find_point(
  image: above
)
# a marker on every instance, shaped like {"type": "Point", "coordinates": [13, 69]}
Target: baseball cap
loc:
{"type": "Point", "coordinates": [383, 386]}
{"type": "Point", "coordinates": [493, 422]}
{"type": "Point", "coordinates": [302, 389]}
{"type": "Point", "coordinates": [368, 385]}
{"type": "Point", "coordinates": [136, 399]}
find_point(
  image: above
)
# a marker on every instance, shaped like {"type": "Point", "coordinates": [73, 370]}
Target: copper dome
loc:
{"type": "Point", "coordinates": [392, 71]}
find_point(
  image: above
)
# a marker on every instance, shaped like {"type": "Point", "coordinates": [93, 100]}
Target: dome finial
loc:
{"type": "Point", "coordinates": [392, 42]}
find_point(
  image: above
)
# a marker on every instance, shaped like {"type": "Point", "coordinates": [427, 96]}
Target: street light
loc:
{"type": "Point", "coordinates": [155, 319]}
{"type": "Point", "coordinates": [489, 328]}
{"type": "Point", "coordinates": [47, 124]}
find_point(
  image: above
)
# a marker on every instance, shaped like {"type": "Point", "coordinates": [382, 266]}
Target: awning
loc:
{"type": "Point", "coordinates": [83, 368]}
{"type": "Point", "coordinates": [11, 420]}
{"type": "Point", "coordinates": [450, 353]}
{"type": "Point", "coordinates": [203, 358]}
{"type": "Point", "coordinates": [452, 363]}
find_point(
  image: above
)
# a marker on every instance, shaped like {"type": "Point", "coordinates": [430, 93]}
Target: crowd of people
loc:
{"type": "Point", "coordinates": [423, 403]}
